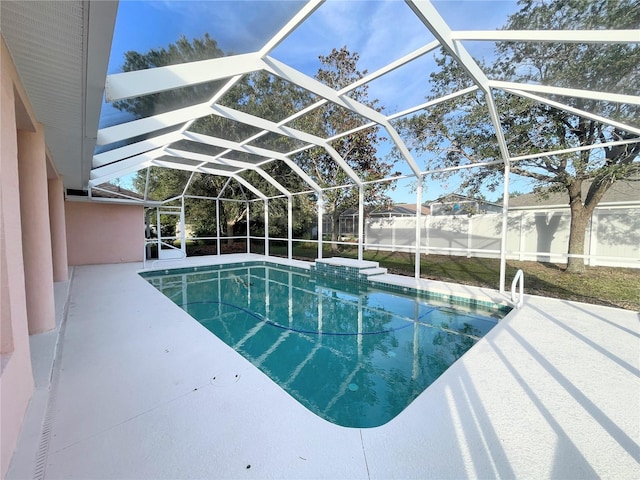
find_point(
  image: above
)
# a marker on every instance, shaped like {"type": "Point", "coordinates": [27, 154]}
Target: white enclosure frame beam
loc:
{"type": "Point", "coordinates": [263, 124]}
{"type": "Point", "coordinates": [231, 175]}
{"type": "Point", "coordinates": [505, 224]}
{"type": "Point", "coordinates": [305, 12]}
{"type": "Point", "coordinates": [294, 76]}
{"type": "Point", "coordinates": [146, 125]}
{"type": "Point", "coordinates": [563, 36]}
{"type": "Point", "coordinates": [290, 227]}
{"type": "Point", "coordinates": [185, 154]}
{"type": "Point", "coordinates": [97, 180]}
{"type": "Point", "coordinates": [391, 66]}
{"type": "Point", "coordinates": [320, 207]}
{"type": "Point", "coordinates": [273, 182]}
{"type": "Point", "coordinates": [111, 156]}
{"type": "Point", "coordinates": [360, 223]}
{"type": "Point", "coordinates": [431, 103]}
{"type": "Point", "coordinates": [575, 149]}
{"type": "Point", "coordinates": [266, 227]}
{"type": "Point", "coordinates": [212, 162]}
{"type": "Point", "coordinates": [576, 111]}
{"type": "Point", "coordinates": [428, 14]}
{"type": "Point", "coordinates": [120, 86]}
{"type": "Point", "coordinates": [418, 217]}
{"type": "Point", "coordinates": [127, 164]}
{"type": "Point", "coordinates": [567, 92]}
{"type": "Point", "coordinates": [231, 145]}
{"type": "Point", "coordinates": [257, 151]}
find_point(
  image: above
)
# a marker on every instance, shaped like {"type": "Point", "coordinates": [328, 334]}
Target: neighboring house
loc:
{"type": "Point", "coordinates": [108, 190]}
{"type": "Point", "coordinates": [349, 218]}
{"type": "Point", "coordinates": [456, 204]}
{"type": "Point", "coordinates": [622, 193]}
{"type": "Point", "coordinates": [400, 210]}
{"type": "Point", "coordinates": [612, 236]}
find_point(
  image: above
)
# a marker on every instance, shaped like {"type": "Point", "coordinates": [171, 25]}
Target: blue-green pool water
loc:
{"type": "Point", "coordinates": [351, 353]}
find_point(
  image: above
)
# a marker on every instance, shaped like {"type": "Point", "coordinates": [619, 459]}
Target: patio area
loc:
{"type": "Point", "coordinates": [124, 390]}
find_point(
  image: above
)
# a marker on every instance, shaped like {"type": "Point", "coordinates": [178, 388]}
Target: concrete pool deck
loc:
{"type": "Point", "coordinates": [553, 391]}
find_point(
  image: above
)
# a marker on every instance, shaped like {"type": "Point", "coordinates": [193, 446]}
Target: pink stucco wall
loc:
{"type": "Point", "coordinates": [16, 379]}
{"type": "Point", "coordinates": [104, 233]}
{"type": "Point", "coordinates": [95, 233]}
{"type": "Point", "coordinates": [58, 230]}
{"type": "Point", "coordinates": [36, 230]}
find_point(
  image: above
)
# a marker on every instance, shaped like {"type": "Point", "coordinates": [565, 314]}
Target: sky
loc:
{"type": "Point", "coordinates": [380, 31]}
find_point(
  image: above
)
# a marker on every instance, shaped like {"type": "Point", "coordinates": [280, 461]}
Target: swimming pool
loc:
{"type": "Point", "coordinates": [354, 353]}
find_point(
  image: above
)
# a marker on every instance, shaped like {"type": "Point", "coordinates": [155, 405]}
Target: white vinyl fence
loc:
{"type": "Point", "coordinates": [612, 237]}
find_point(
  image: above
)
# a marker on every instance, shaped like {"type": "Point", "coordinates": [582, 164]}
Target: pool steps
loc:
{"type": "Point", "coordinates": [347, 268]}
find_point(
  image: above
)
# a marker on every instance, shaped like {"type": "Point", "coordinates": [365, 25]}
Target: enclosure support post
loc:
{"type": "Point", "coordinates": [217, 226]}
{"type": "Point", "coordinates": [183, 236]}
{"type": "Point", "coordinates": [505, 223]}
{"type": "Point", "coordinates": [320, 220]}
{"type": "Point", "coordinates": [266, 227]}
{"type": "Point", "coordinates": [290, 227]}
{"type": "Point", "coordinates": [248, 223]}
{"type": "Point", "coordinates": [418, 216]}
{"type": "Point", "coordinates": [146, 184]}
{"type": "Point", "coordinates": [158, 231]}
{"type": "Point", "coordinates": [360, 222]}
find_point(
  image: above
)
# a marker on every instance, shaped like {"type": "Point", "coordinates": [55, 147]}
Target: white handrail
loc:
{"type": "Point", "coordinates": [519, 281]}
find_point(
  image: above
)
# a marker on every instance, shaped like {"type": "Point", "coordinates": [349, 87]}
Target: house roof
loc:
{"type": "Point", "coordinates": [402, 209]}
{"type": "Point", "coordinates": [109, 190]}
{"type": "Point", "coordinates": [620, 191]}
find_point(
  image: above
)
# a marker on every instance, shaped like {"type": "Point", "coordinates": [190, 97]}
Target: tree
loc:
{"type": "Point", "coordinates": [267, 96]}
{"type": "Point", "coordinates": [258, 93]}
{"type": "Point", "coordinates": [180, 52]}
{"type": "Point", "coordinates": [338, 70]}
{"type": "Point", "coordinates": [460, 131]}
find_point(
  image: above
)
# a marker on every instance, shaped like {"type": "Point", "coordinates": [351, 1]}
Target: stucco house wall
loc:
{"type": "Point", "coordinates": [100, 233]}
{"type": "Point", "coordinates": [33, 250]}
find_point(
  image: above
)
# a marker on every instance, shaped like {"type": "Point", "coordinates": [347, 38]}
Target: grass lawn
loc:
{"type": "Point", "coordinates": [614, 287]}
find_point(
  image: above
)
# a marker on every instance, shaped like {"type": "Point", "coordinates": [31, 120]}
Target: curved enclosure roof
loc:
{"type": "Point", "coordinates": [200, 117]}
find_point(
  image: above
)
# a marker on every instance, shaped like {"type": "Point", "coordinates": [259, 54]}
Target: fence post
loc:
{"type": "Point", "coordinates": [521, 239]}
{"type": "Point", "coordinates": [469, 235]}
{"type": "Point", "coordinates": [417, 231]}
{"type": "Point", "coordinates": [427, 228]}
{"type": "Point", "coordinates": [593, 238]}
{"type": "Point", "coordinates": [394, 220]}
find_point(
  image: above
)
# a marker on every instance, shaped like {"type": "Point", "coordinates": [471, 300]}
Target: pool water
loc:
{"type": "Point", "coordinates": [352, 354]}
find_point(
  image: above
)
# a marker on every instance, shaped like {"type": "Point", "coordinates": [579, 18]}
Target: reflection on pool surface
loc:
{"type": "Point", "coordinates": [354, 355]}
